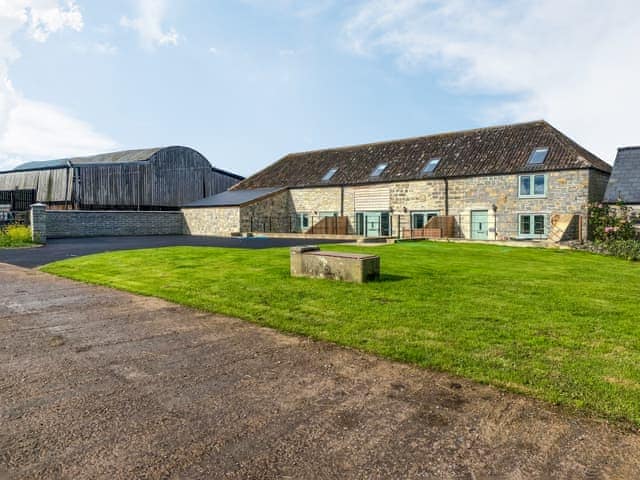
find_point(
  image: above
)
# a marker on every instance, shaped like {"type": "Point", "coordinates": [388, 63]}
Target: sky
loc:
{"type": "Point", "coordinates": [247, 81]}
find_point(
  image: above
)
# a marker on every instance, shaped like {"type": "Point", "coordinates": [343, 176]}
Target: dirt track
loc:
{"type": "Point", "coordinates": [96, 383]}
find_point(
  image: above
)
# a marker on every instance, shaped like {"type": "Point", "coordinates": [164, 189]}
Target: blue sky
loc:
{"type": "Point", "coordinates": [247, 81]}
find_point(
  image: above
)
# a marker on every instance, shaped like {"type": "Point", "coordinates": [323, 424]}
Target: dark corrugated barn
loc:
{"type": "Point", "coordinates": [148, 179]}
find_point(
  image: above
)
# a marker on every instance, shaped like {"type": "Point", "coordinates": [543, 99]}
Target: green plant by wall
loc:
{"type": "Point", "coordinates": [609, 223]}
{"type": "Point", "coordinates": [15, 236]}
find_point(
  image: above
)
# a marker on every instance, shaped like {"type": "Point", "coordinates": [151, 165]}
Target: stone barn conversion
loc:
{"type": "Point", "coordinates": [515, 182]}
{"type": "Point", "coordinates": [148, 179]}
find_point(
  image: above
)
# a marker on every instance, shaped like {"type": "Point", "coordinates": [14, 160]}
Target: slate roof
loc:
{"type": "Point", "coordinates": [624, 183]}
{"type": "Point", "coordinates": [486, 151]}
{"type": "Point", "coordinates": [233, 198]}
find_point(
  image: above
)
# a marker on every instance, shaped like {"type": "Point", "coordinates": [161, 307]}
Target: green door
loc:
{"type": "Point", "coordinates": [372, 224]}
{"type": "Point", "coordinates": [480, 225]}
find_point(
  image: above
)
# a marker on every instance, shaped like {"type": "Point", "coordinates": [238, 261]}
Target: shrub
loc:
{"type": "Point", "coordinates": [628, 249]}
{"type": "Point", "coordinates": [611, 223]}
{"type": "Point", "coordinates": [15, 236]}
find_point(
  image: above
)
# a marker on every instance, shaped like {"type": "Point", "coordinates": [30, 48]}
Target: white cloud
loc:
{"type": "Point", "coordinates": [573, 62]}
{"type": "Point", "coordinates": [31, 129]}
{"type": "Point", "coordinates": [149, 22]}
{"type": "Point", "coordinates": [46, 18]}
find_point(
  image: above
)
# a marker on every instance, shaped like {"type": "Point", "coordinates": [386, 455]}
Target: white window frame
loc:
{"type": "Point", "coordinates": [532, 185]}
{"type": "Point", "coordinates": [532, 224]}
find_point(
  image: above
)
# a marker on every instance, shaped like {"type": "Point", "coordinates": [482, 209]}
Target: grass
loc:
{"type": "Point", "coordinates": [15, 236]}
{"type": "Point", "coordinates": [557, 325]}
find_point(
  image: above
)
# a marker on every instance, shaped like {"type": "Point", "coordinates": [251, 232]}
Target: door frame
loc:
{"type": "Point", "coordinates": [486, 230]}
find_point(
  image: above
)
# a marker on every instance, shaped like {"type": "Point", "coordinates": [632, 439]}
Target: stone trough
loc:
{"type": "Point", "coordinates": [309, 261]}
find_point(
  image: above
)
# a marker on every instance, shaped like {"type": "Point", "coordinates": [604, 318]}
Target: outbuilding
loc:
{"type": "Point", "coordinates": [146, 179]}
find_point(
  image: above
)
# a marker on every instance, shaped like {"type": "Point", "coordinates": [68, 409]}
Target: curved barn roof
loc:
{"type": "Point", "coordinates": [486, 151]}
{"type": "Point", "coordinates": [124, 156]}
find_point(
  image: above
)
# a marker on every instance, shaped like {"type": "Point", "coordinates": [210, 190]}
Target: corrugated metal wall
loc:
{"type": "Point", "coordinates": [170, 178]}
{"type": "Point", "coordinates": [52, 185]}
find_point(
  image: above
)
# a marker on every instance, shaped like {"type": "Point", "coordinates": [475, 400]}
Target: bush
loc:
{"type": "Point", "coordinates": [609, 223]}
{"type": "Point", "coordinates": [628, 249]}
{"type": "Point", "coordinates": [15, 236]}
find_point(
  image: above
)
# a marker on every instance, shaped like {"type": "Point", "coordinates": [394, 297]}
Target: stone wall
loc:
{"type": "Point", "coordinates": [38, 222]}
{"type": "Point", "coordinates": [96, 223]}
{"type": "Point", "coordinates": [270, 214]}
{"type": "Point", "coordinates": [220, 221]}
{"type": "Point", "coordinates": [568, 192]}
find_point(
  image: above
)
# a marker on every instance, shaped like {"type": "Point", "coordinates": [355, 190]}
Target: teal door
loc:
{"type": "Point", "coordinates": [480, 225]}
{"type": "Point", "coordinates": [372, 225]}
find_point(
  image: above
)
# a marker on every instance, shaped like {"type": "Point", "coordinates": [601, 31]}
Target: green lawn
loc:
{"type": "Point", "coordinates": [557, 325]}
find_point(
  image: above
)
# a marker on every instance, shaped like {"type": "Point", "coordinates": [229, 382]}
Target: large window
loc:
{"type": "Point", "coordinates": [532, 186]}
{"type": "Point", "coordinates": [420, 219]}
{"type": "Point", "coordinates": [532, 225]}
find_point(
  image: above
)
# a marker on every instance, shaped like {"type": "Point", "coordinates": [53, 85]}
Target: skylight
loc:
{"type": "Point", "coordinates": [329, 174]}
{"type": "Point", "coordinates": [431, 165]}
{"type": "Point", "coordinates": [538, 156]}
{"type": "Point", "coordinates": [378, 170]}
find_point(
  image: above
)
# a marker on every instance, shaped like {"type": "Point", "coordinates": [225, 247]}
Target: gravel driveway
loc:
{"type": "Point", "coordinates": [96, 383]}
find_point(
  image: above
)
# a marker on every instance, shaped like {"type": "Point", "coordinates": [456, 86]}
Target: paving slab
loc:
{"type": "Point", "coordinates": [97, 383]}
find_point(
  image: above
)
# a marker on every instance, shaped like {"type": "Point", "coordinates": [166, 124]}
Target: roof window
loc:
{"type": "Point", "coordinates": [538, 156]}
{"type": "Point", "coordinates": [378, 170]}
{"type": "Point", "coordinates": [431, 165]}
{"type": "Point", "coordinates": [329, 174]}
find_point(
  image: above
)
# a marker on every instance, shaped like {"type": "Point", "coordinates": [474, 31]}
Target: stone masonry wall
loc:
{"type": "Point", "coordinates": [315, 200]}
{"type": "Point", "coordinates": [273, 213]}
{"type": "Point", "coordinates": [222, 221]}
{"type": "Point", "coordinates": [568, 192]}
{"type": "Point", "coordinates": [95, 223]}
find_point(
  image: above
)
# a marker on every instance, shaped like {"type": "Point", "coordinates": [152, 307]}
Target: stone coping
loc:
{"type": "Point", "coordinates": [325, 253]}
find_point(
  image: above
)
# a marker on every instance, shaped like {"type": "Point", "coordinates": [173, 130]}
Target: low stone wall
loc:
{"type": "Point", "coordinates": [220, 221]}
{"type": "Point", "coordinates": [98, 223]}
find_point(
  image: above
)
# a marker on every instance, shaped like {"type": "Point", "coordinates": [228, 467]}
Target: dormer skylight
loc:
{"type": "Point", "coordinates": [538, 156]}
{"type": "Point", "coordinates": [378, 170]}
{"type": "Point", "coordinates": [329, 174]}
{"type": "Point", "coordinates": [431, 166]}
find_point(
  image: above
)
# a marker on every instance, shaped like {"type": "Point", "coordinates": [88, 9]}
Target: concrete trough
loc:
{"type": "Point", "coordinates": [309, 261]}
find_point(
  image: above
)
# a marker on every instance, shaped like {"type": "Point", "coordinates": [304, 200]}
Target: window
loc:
{"type": "Point", "coordinates": [329, 174]}
{"type": "Point", "coordinates": [431, 165]}
{"type": "Point", "coordinates": [378, 170]}
{"type": "Point", "coordinates": [533, 185]}
{"type": "Point", "coordinates": [303, 222]}
{"type": "Point", "coordinates": [420, 219]}
{"type": "Point", "coordinates": [532, 226]}
{"type": "Point", "coordinates": [538, 156]}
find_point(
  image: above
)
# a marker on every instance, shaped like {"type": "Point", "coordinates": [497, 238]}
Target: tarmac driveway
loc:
{"type": "Point", "coordinates": [96, 383]}
{"type": "Point", "coordinates": [59, 249]}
